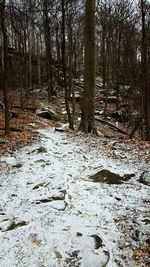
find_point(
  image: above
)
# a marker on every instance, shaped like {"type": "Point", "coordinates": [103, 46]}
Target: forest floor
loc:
{"type": "Point", "coordinates": [55, 213]}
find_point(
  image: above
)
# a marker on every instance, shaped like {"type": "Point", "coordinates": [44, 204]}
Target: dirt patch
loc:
{"type": "Point", "coordinates": [108, 177]}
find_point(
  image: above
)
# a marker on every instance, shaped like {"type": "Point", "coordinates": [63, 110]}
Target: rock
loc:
{"type": "Point", "coordinates": [15, 225]}
{"type": "Point", "coordinates": [106, 176]}
{"type": "Point", "coordinates": [57, 254]}
{"type": "Point", "coordinates": [44, 184]}
{"type": "Point", "coordinates": [76, 97]}
{"type": "Point", "coordinates": [60, 129]}
{"type": "Point", "coordinates": [121, 114]}
{"type": "Point", "coordinates": [12, 161]}
{"type": "Point", "coordinates": [12, 114]}
{"type": "Point", "coordinates": [90, 251]}
{"type": "Point", "coordinates": [140, 228]}
{"type": "Point", "coordinates": [79, 234]}
{"type": "Point", "coordinates": [8, 224]}
{"type": "Point", "coordinates": [118, 198]}
{"type": "Point", "coordinates": [99, 112]}
{"type": "Point", "coordinates": [98, 241]}
{"type": "Point", "coordinates": [46, 113]}
{"type": "Point", "coordinates": [41, 149]}
{"type": "Point", "coordinates": [58, 196]}
{"type": "Point", "coordinates": [119, 154]}
{"type": "Point", "coordinates": [18, 165]}
{"type": "Point", "coordinates": [59, 205]}
{"type": "Point", "coordinates": [145, 178]}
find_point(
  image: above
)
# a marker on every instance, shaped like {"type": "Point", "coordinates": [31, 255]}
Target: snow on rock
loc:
{"type": "Point", "coordinates": [53, 215]}
{"type": "Point", "coordinates": [12, 161]}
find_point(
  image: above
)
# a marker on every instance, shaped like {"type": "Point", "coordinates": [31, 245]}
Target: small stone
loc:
{"type": "Point", "coordinates": [41, 149]}
{"type": "Point", "coordinates": [79, 234]}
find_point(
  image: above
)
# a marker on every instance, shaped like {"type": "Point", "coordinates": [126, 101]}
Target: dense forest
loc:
{"type": "Point", "coordinates": [63, 44]}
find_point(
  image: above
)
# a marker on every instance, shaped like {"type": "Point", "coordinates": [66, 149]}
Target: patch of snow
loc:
{"type": "Point", "coordinates": [59, 231]}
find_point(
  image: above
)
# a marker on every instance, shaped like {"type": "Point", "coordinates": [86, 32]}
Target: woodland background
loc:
{"type": "Point", "coordinates": [42, 45]}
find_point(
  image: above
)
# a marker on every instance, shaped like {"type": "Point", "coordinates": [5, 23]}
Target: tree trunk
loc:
{"type": "Point", "coordinates": [58, 52]}
{"type": "Point", "coordinates": [103, 54]}
{"type": "Point", "coordinates": [48, 49]}
{"type": "Point", "coordinates": [26, 78]}
{"type": "Point", "coordinates": [70, 50]}
{"type": "Point", "coordinates": [5, 68]}
{"type": "Point", "coordinates": [70, 119]}
{"type": "Point", "coordinates": [30, 64]}
{"type": "Point", "coordinates": [144, 72]}
{"type": "Point", "coordinates": [38, 62]}
{"type": "Point", "coordinates": [87, 124]}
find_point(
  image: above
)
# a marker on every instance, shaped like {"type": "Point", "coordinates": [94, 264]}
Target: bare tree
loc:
{"type": "Point", "coordinates": [87, 117]}
{"type": "Point", "coordinates": [5, 67]}
{"type": "Point", "coordinates": [47, 32]}
{"type": "Point", "coordinates": [70, 118]}
{"type": "Point", "coordinates": [144, 72]}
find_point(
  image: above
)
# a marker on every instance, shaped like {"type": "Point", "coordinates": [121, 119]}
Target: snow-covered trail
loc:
{"type": "Point", "coordinates": [52, 215]}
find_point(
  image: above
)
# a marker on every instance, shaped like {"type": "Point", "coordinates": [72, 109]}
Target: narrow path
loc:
{"type": "Point", "coordinates": [52, 214]}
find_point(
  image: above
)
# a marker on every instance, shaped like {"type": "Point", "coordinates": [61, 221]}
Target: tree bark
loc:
{"type": "Point", "coordinates": [47, 33]}
{"type": "Point", "coordinates": [38, 62]}
{"type": "Point", "coordinates": [5, 68]}
{"type": "Point", "coordinates": [87, 124]}
{"type": "Point", "coordinates": [144, 72]}
{"type": "Point", "coordinates": [70, 50]}
{"type": "Point", "coordinates": [70, 118]}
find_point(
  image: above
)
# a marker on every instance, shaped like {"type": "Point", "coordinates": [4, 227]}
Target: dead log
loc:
{"type": "Point", "coordinates": [12, 129]}
{"type": "Point", "coordinates": [111, 125]}
{"type": "Point", "coordinates": [32, 109]}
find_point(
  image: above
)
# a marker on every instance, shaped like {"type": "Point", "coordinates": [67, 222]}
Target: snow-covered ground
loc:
{"type": "Point", "coordinates": [52, 214]}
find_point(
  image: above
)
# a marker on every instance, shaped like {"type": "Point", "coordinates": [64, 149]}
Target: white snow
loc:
{"type": "Point", "coordinates": [60, 230]}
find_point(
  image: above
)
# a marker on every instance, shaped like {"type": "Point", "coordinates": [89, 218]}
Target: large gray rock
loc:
{"type": "Point", "coordinates": [46, 113]}
{"type": "Point", "coordinates": [122, 114]}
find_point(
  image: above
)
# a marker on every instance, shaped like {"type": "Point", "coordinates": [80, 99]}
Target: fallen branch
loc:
{"type": "Point", "coordinates": [12, 129]}
{"type": "Point", "coordinates": [111, 125]}
{"type": "Point", "coordinates": [25, 108]}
